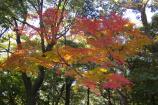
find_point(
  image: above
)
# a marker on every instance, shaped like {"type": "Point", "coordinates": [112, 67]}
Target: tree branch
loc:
{"type": "Point", "coordinates": [1, 34]}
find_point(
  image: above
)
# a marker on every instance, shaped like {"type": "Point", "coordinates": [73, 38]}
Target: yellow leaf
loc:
{"type": "Point", "coordinates": [67, 57]}
{"type": "Point", "coordinates": [103, 70]}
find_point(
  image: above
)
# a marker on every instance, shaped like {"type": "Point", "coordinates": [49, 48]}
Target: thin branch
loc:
{"type": "Point", "coordinates": [62, 13]}
{"type": "Point", "coordinates": [5, 50]}
{"type": "Point", "coordinates": [66, 29]}
{"type": "Point", "coordinates": [1, 34]}
{"type": "Point", "coordinates": [34, 6]}
{"type": "Point", "coordinates": [24, 22]}
{"type": "Point", "coordinates": [8, 47]}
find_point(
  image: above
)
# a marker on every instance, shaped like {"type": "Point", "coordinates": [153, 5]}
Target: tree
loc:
{"type": "Point", "coordinates": [109, 41]}
{"type": "Point", "coordinates": [19, 24]}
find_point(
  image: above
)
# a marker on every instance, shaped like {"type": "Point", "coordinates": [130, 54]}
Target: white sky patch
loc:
{"type": "Point", "coordinates": [135, 17]}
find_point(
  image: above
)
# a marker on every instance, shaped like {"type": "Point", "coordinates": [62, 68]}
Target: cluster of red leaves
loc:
{"type": "Point", "coordinates": [86, 25]}
{"type": "Point", "coordinates": [116, 81]}
{"type": "Point", "coordinates": [105, 36]}
{"type": "Point", "coordinates": [52, 21]}
{"type": "Point", "coordinates": [113, 22]}
{"type": "Point", "coordinates": [51, 16]}
{"type": "Point", "coordinates": [107, 64]}
{"type": "Point", "coordinates": [90, 84]}
{"type": "Point", "coordinates": [101, 42]}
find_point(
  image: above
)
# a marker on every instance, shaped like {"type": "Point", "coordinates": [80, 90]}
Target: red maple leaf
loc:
{"type": "Point", "coordinates": [116, 81]}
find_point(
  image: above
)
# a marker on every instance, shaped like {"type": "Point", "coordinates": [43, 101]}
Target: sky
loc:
{"type": "Point", "coordinates": [135, 18]}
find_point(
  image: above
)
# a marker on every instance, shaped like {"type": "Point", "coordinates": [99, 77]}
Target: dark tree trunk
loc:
{"type": "Point", "coordinates": [144, 18]}
{"type": "Point", "coordinates": [145, 21]}
{"type": "Point", "coordinates": [68, 90]}
{"type": "Point", "coordinates": [153, 100]}
{"type": "Point", "coordinates": [88, 93]}
{"type": "Point", "coordinates": [31, 100]}
{"type": "Point", "coordinates": [123, 98]}
{"type": "Point", "coordinates": [109, 98]}
{"type": "Point", "coordinates": [32, 89]}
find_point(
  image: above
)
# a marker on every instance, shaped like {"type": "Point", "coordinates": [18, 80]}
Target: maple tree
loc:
{"type": "Point", "coordinates": [109, 41]}
{"type": "Point", "coordinates": [27, 59]}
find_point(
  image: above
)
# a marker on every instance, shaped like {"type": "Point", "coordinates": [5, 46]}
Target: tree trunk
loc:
{"type": "Point", "coordinates": [32, 89]}
{"type": "Point", "coordinates": [109, 98]}
{"type": "Point", "coordinates": [88, 93]}
{"type": "Point", "coordinates": [144, 18]}
{"type": "Point", "coordinates": [123, 98]}
{"type": "Point", "coordinates": [68, 90]}
{"type": "Point", "coordinates": [153, 100]}
{"type": "Point", "coordinates": [31, 100]}
{"type": "Point", "coordinates": [145, 21]}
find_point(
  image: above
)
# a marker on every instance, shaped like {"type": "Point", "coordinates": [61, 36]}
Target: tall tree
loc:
{"type": "Point", "coordinates": [48, 31]}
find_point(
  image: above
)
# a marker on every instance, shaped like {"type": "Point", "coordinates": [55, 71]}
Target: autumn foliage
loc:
{"type": "Point", "coordinates": [110, 41]}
